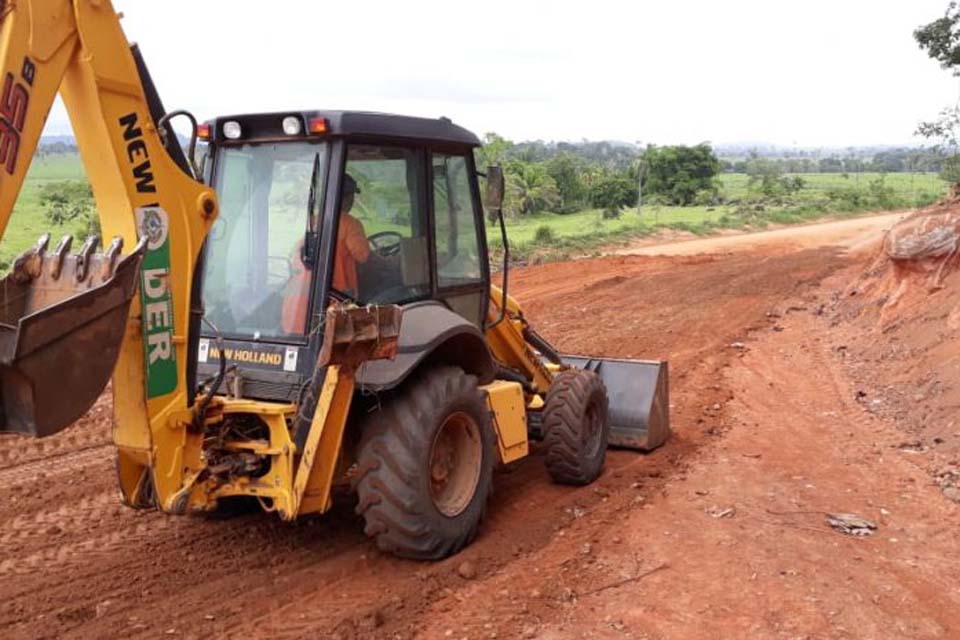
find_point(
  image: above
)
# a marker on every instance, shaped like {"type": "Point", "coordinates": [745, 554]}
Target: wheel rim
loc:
{"type": "Point", "coordinates": [592, 429]}
{"type": "Point", "coordinates": [455, 458]}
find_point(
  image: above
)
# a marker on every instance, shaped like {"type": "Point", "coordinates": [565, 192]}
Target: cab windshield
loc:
{"type": "Point", "coordinates": [253, 264]}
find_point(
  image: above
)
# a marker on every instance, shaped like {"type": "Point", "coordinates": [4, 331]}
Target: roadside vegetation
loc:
{"type": "Point", "coordinates": [573, 198]}
{"type": "Point", "coordinates": [568, 199]}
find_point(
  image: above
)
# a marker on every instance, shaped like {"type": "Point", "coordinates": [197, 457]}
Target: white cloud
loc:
{"type": "Point", "coordinates": [806, 73]}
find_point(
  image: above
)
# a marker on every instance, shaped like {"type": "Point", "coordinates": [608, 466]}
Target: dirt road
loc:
{"type": "Point", "coordinates": [849, 233]}
{"type": "Point", "coordinates": [719, 534]}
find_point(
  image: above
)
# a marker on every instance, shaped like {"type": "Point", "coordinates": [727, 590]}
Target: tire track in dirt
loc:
{"type": "Point", "coordinates": [148, 550]}
{"type": "Point", "coordinates": [67, 462]}
{"type": "Point", "coordinates": [55, 522]}
{"type": "Point", "coordinates": [25, 450]}
{"type": "Point", "coordinates": [92, 430]}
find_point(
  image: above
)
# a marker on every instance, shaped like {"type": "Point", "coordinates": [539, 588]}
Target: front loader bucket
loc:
{"type": "Point", "coordinates": [62, 323]}
{"type": "Point", "coordinates": [639, 396]}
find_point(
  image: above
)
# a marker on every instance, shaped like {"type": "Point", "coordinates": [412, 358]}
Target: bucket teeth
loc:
{"type": "Point", "coordinates": [29, 264]}
{"type": "Point", "coordinates": [110, 258]}
{"type": "Point", "coordinates": [83, 257]}
{"type": "Point", "coordinates": [87, 265]}
{"type": "Point", "coordinates": [59, 254]}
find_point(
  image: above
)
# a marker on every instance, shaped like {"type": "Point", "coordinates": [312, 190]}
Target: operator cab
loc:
{"type": "Point", "coordinates": [319, 206]}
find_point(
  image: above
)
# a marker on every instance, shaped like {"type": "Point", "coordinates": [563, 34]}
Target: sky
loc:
{"type": "Point", "coordinates": [813, 73]}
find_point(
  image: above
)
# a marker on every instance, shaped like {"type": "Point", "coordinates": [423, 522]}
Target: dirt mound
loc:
{"type": "Point", "coordinates": [906, 305]}
{"type": "Point", "coordinates": [925, 242]}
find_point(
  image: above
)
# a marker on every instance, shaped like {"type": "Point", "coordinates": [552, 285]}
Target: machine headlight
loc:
{"type": "Point", "coordinates": [231, 130]}
{"type": "Point", "coordinates": [291, 125]}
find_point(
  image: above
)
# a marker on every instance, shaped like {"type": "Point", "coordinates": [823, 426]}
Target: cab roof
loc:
{"type": "Point", "coordinates": [358, 124]}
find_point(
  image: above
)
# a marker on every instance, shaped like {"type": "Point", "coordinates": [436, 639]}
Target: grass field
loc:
{"type": "Point", "coordinates": [522, 231]}
{"type": "Point", "coordinates": [564, 233]}
{"type": "Point", "coordinates": [911, 186]}
{"type": "Point", "coordinates": [27, 223]}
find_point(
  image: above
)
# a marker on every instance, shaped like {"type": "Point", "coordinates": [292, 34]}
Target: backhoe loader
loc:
{"type": "Point", "coordinates": [302, 300]}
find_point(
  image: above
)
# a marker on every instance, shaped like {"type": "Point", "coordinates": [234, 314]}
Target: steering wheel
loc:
{"type": "Point", "coordinates": [385, 243]}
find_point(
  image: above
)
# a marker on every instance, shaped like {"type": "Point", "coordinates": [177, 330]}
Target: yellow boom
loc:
{"type": "Point", "coordinates": [78, 48]}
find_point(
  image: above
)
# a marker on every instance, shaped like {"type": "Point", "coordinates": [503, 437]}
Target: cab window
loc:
{"type": "Point", "coordinates": [255, 283]}
{"type": "Point", "coordinates": [458, 247]}
{"type": "Point", "coordinates": [387, 212]}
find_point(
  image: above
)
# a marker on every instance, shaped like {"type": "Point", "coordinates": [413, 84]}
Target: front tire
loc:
{"type": "Point", "coordinates": [425, 466]}
{"type": "Point", "coordinates": [576, 427]}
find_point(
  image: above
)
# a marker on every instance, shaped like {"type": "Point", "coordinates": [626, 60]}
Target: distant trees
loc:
{"type": "Point", "coordinates": [678, 173]}
{"type": "Point", "coordinates": [567, 171]}
{"type": "Point", "coordinates": [830, 165]}
{"type": "Point", "coordinates": [567, 177]}
{"type": "Point", "coordinates": [562, 177]}
{"type": "Point", "coordinates": [894, 160]}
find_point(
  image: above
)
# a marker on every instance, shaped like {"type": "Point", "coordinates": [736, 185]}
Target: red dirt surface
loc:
{"type": "Point", "coordinates": [721, 533]}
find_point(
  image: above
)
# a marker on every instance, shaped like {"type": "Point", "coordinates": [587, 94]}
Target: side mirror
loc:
{"type": "Point", "coordinates": [496, 186]}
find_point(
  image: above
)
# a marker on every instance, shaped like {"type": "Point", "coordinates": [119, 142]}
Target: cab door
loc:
{"type": "Point", "coordinates": [461, 267]}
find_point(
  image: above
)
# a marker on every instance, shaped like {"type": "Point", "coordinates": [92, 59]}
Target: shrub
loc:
{"type": "Point", "coordinates": [68, 201]}
{"type": "Point", "coordinates": [613, 191]}
{"type": "Point", "coordinates": [882, 195]}
{"type": "Point", "coordinates": [544, 235]}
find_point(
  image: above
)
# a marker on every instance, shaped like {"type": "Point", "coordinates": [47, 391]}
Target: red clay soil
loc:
{"type": "Point", "coordinates": [719, 534]}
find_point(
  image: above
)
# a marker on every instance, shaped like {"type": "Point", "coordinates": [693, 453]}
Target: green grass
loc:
{"type": "Point", "coordinates": [521, 231]}
{"type": "Point", "coordinates": [65, 166]}
{"type": "Point", "coordinates": [27, 223]}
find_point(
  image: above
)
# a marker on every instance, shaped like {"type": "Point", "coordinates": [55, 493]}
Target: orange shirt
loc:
{"type": "Point", "coordinates": [352, 247]}
{"type": "Point", "coordinates": [296, 296]}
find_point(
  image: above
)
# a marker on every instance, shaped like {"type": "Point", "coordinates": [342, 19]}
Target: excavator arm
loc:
{"type": "Point", "coordinates": [69, 321]}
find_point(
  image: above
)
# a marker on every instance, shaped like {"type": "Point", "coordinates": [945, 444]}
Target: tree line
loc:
{"type": "Point", "coordinates": [901, 160]}
{"type": "Point", "coordinates": [567, 177]}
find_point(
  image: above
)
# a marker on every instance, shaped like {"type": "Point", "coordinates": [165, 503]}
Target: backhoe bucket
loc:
{"type": "Point", "coordinates": [639, 396]}
{"type": "Point", "coordinates": [62, 323]}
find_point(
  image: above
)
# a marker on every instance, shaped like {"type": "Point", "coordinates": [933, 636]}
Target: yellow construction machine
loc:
{"type": "Point", "coordinates": [301, 300]}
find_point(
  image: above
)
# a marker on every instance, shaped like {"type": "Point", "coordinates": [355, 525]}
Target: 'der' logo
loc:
{"type": "Point", "coordinates": [153, 223]}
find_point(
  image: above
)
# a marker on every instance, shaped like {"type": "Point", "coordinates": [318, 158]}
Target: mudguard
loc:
{"type": "Point", "coordinates": [430, 332]}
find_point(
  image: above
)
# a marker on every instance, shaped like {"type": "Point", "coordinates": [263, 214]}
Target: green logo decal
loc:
{"type": "Point", "coordinates": [160, 356]}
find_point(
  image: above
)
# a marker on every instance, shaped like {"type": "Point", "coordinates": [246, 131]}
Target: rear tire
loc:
{"type": "Point", "coordinates": [576, 427]}
{"type": "Point", "coordinates": [425, 466]}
